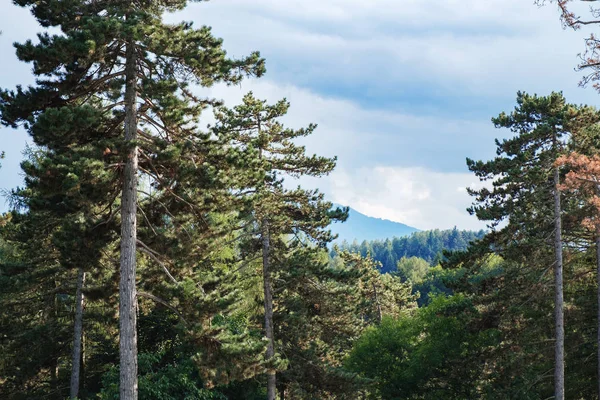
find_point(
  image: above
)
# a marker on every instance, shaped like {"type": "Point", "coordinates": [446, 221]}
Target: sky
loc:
{"type": "Point", "coordinates": [402, 91]}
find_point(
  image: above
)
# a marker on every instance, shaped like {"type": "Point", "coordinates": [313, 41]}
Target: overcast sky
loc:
{"type": "Point", "coordinates": [402, 90]}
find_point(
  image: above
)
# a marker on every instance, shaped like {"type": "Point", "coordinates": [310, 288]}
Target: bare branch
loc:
{"type": "Point", "coordinates": [147, 220]}
{"type": "Point", "coordinates": [152, 254]}
{"type": "Point", "coordinates": [164, 303]}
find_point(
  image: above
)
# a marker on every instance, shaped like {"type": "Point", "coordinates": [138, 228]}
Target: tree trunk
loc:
{"type": "Point", "coordinates": [54, 364]}
{"type": "Point", "coordinates": [82, 367]}
{"type": "Point", "coordinates": [127, 291]}
{"type": "Point", "coordinates": [379, 315]}
{"type": "Point", "coordinates": [559, 349]}
{"type": "Point", "coordinates": [77, 335]}
{"type": "Point", "coordinates": [271, 381]}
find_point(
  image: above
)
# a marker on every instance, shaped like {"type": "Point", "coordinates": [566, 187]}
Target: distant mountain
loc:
{"type": "Point", "coordinates": [361, 227]}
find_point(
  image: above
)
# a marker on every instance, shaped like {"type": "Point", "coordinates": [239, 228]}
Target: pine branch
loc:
{"type": "Point", "coordinates": [164, 303]}
{"type": "Point", "coordinates": [147, 220]}
{"type": "Point", "coordinates": [153, 254]}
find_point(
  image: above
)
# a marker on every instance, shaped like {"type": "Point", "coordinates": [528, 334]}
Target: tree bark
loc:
{"type": "Point", "coordinates": [77, 335]}
{"type": "Point", "coordinates": [82, 367]}
{"type": "Point", "coordinates": [127, 291]}
{"type": "Point", "coordinates": [559, 349]}
{"type": "Point", "coordinates": [271, 380]}
{"type": "Point", "coordinates": [379, 314]}
{"type": "Point", "coordinates": [54, 365]}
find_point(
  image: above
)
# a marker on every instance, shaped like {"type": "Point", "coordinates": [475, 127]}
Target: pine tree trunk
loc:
{"type": "Point", "coordinates": [82, 367]}
{"type": "Point", "coordinates": [379, 314]}
{"type": "Point", "coordinates": [271, 381]}
{"type": "Point", "coordinates": [559, 349]}
{"type": "Point", "coordinates": [77, 335]}
{"type": "Point", "coordinates": [127, 290]}
{"type": "Point", "coordinates": [54, 365]}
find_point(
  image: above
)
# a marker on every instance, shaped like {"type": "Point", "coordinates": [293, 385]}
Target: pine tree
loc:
{"type": "Point", "coordinates": [118, 73]}
{"type": "Point", "coordinates": [60, 222]}
{"type": "Point", "coordinates": [268, 150]}
{"type": "Point", "coordinates": [525, 188]}
{"type": "Point", "coordinates": [321, 310]}
{"type": "Point", "coordinates": [584, 178]}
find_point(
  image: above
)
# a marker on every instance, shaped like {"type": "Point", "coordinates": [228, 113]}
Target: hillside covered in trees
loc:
{"type": "Point", "coordinates": [428, 245]}
{"type": "Point", "coordinates": [156, 249]}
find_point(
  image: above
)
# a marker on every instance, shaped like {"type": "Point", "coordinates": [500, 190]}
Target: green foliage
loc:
{"type": "Point", "coordinates": [413, 269]}
{"type": "Point", "coordinates": [521, 174]}
{"type": "Point", "coordinates": [432, 354]}
{"type": "Point", "coordinates": [493, 337]}
{"type": "Point", "coordinates": [70, 206]}
{"type": "Point", "coordinates": [321, 314]}
{"type": "Point", "coordinates": [346, 324]}
{"type": "Point", "coordinates": [428, 245]}
{"type": "Point", "coordinates": [433, 283]}
{"type": "Point", "coordinates": [516, 294]}
{"type": "Point", "coordinates": [162, 382]}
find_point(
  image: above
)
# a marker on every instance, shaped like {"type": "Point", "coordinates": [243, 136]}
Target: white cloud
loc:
{"type": "Point", "coordinates": [396, 48]}
{"type": "Point", "coordinates": [383, 156]}
{"type": "Point", "coordinates": [361, 137]}
{"type": "Point", "coordinates": [415, 196]}
{"type": "Point", "coordinates": [402, 90]}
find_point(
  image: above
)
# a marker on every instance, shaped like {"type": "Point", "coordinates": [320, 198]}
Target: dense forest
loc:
{"type": "Point", "coordinates": [152, 255]}
{"type": "Point", "coordinates": [428, 245]}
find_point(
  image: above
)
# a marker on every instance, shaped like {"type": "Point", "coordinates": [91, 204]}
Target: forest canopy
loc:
{"type": "Point", "coordinates": [160, 246]}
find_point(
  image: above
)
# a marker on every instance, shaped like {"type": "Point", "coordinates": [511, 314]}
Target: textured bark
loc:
{"type": "Point", "coordinates": [271, 380]}
{"type": "Point", "coordinates": [82, 362]}
{"type": "Point", "coordinates": [77, 335]}
{"type": "Point", "coordinates": [559, 349]}
{"type": "Point", "coordinates": [127, 291]}
{"type": "Point", "coordinates": [54, 366]}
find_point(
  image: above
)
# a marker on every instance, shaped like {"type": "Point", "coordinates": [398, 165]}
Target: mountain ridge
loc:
{"type": "Point", "coordinates": [362, 227]}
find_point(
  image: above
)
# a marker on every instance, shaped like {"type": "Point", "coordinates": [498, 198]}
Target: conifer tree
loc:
{"type": "Point", "coordinates": [282, 217]}
{"type": "Point", "coordinates": [57, 197]}
{"type": "Point", "coordinates": [584, 178]}
{"type": "Point", "coordinates": [321, 310]}
{"type": "Point", "coordinates": [526, 188]}
{"type": "Point", "coordinates": [118, 69]}
{"type": "Point", "coordinates": [29, 290]}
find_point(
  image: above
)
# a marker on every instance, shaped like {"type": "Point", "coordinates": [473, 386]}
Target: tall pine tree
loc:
{"type": "Point", "coordinates": [130, 75]}
{"type": "Point", "coordinates": [280, 218]}
{"type": "Point", "coordinates": [526, 192]}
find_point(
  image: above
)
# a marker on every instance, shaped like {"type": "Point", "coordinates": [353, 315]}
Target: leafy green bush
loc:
{"type": "Point", "coordinates": [432, 354]}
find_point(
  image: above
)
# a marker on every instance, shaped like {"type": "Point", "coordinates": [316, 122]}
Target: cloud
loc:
{"type": "Point", "coordinates": [418, 197]}
{"type": "Point", "coordinates": [453, 56]}
{"type": "Point", "coordinates": [402, 90]}
{"type": "Point", "coordinates": [359, 136]}
{"type": "Point", "coordinates": [385, 158]}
